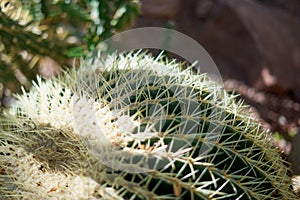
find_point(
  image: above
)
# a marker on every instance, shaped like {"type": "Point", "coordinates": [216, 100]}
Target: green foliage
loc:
{"type": "Point", "coordinates": [32, 30]}
{"type": "Point", "coordinates": [149, 109]}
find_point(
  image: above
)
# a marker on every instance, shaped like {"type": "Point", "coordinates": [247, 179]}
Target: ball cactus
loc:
{"type": "Point", "coordinates": [130, 126]}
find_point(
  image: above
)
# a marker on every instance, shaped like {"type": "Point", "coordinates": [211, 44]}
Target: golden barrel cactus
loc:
{"type": "Point", "coordinates": [130, 126]}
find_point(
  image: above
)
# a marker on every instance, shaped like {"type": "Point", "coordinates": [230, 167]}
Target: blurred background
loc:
{"type": "Point", "coordinates": [255, 44]}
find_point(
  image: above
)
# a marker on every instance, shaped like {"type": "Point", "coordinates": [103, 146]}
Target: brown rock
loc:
{"type": "Point", "coordinates": [161, 8]}
{"type": "Point", "coordinates": [254, 42]}
{"type": "Point", "coordinates": [263, 41]}
{"type": "Point", "coordinates": [233, 49]}
{"type": "Point", "coordinates": [204, 8]}
{"type": "Point", "coordinates": [277, 38]}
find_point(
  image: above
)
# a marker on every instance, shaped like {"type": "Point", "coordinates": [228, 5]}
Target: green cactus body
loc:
{"type": "Point", "coordinates": [130, 126]}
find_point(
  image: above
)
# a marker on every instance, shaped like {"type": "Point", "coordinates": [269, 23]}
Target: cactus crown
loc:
{"type": "Point", "coordinates": [130, 126]}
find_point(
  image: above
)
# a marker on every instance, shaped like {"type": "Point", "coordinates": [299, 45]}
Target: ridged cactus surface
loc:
{"type": "Point", "coordinates": [131, 126]}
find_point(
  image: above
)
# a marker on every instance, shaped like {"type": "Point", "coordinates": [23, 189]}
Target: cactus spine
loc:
{"type": "Point", "coordinates": [193, 140]}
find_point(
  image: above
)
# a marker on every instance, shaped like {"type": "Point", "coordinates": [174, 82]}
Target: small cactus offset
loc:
{"type": "Point", "coordinates": [130, 126]}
